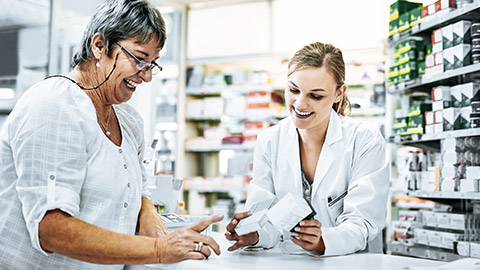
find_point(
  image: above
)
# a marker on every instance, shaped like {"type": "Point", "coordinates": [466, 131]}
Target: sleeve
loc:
{"type": "Point", "coordinates": [364, 212]}
{"type": "Point", "coordinates": [261, 184]}
{"type": "Point", "coordinates": [49, 148]}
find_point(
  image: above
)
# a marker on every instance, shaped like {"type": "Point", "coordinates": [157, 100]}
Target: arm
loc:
{"type": "Point", "coordinates": [69, 236]}
{"type": "Point", "coordinates": [149, 221]}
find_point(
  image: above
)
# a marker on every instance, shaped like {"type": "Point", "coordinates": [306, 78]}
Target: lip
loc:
{"type": "Point", "coordinates": [129, 88]}
{"type": "Point", "coordinates": [299, 115]}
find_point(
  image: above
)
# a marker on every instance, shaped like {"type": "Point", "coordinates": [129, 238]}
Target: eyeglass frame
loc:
{"type": "Point", "coordinates": [150, 64]}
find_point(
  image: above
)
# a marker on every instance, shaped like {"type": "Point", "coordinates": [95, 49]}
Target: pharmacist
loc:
{"type": "Point", "coordinates": [338, 164]}
{"type": "Point", "coordinates": [72, 183]}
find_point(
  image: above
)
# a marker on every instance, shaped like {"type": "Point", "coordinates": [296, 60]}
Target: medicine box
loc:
{"type": "Point", "coordinates": [451, 119]}
{"type": "Point", "coordinates": [461, 32]}
{"type": "Point", "coordinates": [461, 55]}
{"type": "Point", "coordinates": [470, 92]}
{"type": "Point", "coordinates": [447, 36]}
{"type": "Point", "coordinates": [456, 94]}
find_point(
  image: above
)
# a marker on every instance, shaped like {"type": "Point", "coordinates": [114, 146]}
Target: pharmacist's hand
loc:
{"type": "Point", "coordinates": [151, 224]}
{"type": "Point", "coordinates": [242, 240]}
{"type": "Point", "coordinates": [308, 235]}
{"type": "Point", "coordinates": [181, 244]}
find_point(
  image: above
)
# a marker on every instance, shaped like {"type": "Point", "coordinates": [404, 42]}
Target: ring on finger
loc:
{"type": "Point", "coordinates": [198, 246]}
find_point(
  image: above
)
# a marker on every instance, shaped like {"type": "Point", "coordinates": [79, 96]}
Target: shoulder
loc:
{"type": "Point", "coordinates": [360, 132]}
{"type": "Point", "coordinates": [275, 131]}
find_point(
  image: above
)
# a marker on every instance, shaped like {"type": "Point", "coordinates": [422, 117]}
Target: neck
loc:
{"type": "Point", "coordinates": [313, 137]}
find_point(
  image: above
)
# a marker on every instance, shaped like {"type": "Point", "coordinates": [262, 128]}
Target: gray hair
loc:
{"type": "Point", "coordinates": [117, 20]}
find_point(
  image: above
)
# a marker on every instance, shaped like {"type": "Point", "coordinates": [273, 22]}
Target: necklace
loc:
{"type": "Point", "coordinates": [105, 127]}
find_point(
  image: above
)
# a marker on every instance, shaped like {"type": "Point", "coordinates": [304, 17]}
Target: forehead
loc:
{"type": "Point", "coordinates": [313, 78]}
{"type": "Point", "coordinates": [151, 47]}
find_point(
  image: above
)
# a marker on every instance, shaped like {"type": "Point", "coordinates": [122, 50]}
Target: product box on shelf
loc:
{"type": "Point", "coordinates": [433, 63]}
{"type": "Point", "coordinates": [415, 16]}
{"type": "Point", "coordinates": [465, 117]}
{"type": "Point", "coordinates": [419, 108]}
{"type": "Point", "coordinates": [404, 23]}
{"type": "Point", "coordinates": [461, 55]}
{"type": "Point", "coordinates": [429, 118]}
{"type": "Point", "coordinates": [456, 94]}
{"type": "Point", "coordinates": [461, 32]}
{"type": "Point", "coordinates": [447, 36]}
{"type": "Point", "coordinates": [448, 59]}
{"type": "Point", "coordinates": [392, 27]}
{"type": "Point", "coordinates": [470, 92]}
{"type": "Point", "coordinates": [466, 185]}
{"type": "Point", "coordinates": [437, 40]}
{"type": "Point", "coordinates": [451, 119]}
{"type": "Point", "coordinates": [429, 11]}
{"type": "Point", "coordinates": [401, 6]}
{"type": "Point", "coordinates": [441, 93]}
{"type": "Point", "coordinates": [411, 43]}
{"type": "Point", "coordinates": [438, 117]}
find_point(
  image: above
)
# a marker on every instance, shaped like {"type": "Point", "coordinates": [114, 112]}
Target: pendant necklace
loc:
{"type": "Point", "coordinates": [105, 127]}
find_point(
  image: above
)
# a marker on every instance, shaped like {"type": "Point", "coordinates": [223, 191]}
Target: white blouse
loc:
{"type": "Point", "coordinates": [54, 155]}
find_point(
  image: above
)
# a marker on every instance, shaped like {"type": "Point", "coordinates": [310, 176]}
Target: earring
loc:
{"type": "Point", "coordinates": [97, 64]}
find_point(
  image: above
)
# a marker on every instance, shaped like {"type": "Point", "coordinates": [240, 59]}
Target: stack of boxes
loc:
{"type": "Point", "coordinates": [403, 16]}
{"type": "Point", "coordinates": [436, 9]}
{"type": "Point", "coordinates": [461, 164]}
{"type": "Point", "coordinates": [409, 61]}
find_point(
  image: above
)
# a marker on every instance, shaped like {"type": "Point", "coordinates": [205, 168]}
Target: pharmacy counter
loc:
{"type": "Point", "coordinates": [275, 259]}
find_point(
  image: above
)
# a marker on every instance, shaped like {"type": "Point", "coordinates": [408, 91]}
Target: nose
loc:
{"type": "Point", "coordinates": [146, 75]}
{"type": "Point", "coordinates": [301, 102]}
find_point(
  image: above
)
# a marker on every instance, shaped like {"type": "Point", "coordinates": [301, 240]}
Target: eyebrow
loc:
{"type": "Point", "coordinates": [313, 90]}
{"type": "Point", "coordinates": [146, 54]}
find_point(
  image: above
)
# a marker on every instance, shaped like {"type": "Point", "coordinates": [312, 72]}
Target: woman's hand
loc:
{"type": "Point", "coordinates": [181, 244]}
{"type": "Point", "coordinates": [149, 221]}
{"type": "Point", "coordinates": [151, 224]}
{"type": "Point", "coordinates": [309, 235]}
{"type": "Point", "coordinates": [242, 240]}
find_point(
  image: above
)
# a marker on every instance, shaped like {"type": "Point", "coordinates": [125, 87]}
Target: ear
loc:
{"type": "Point", "coordinates": [339, 93]}
{"type": "Point", "coordinates": [98, 46]}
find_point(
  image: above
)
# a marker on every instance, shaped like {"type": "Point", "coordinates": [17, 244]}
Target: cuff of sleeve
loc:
{"type": "Point", "coordinates": [265, 234]}
{"type": "Point", "coordinates": [66, 200]}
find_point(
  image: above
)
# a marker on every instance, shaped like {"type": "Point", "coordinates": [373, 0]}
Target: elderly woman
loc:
{"type": "Point", "coordinates": [72, 183]}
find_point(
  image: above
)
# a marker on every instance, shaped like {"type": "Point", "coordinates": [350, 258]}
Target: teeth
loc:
{"type": "Point", "coordinates": [301, 113]}
{"type": "Point", "coordinates": [131, 84]}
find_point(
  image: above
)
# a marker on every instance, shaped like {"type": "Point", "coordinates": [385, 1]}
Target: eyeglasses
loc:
{"type": "Point", "coordinates": [142, 64]}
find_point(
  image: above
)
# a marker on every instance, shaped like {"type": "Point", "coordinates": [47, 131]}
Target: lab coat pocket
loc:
{"type": "Point", "coordinates": [335, 208]}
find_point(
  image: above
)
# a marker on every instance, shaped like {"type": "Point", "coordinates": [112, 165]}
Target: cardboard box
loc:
{"type": "Point", "coordinates": [437, 40]}
{"type": "Point", "coordinates": [448, 59]}
{"type": "Point", "coordinates": [465, 117]}
{"type": "Point", "coordinates": [456, 94]}
{"type": "Point", "coordinates": [429, 118]}
{"type": "Point", "coordinates": [441, 92]}
{"type": "Point", "coordinates": [451, 119]}
{"type": "Point", "coordinates": [429, 129]}
{"type": "Point", "coordinates": [438, 117]}
{"type": "Point", "coordinates": [404, 22]}
{"type": "Point", "coordinates": [461, 55]}
{"type": "Point", "coordinates": [399, 7]}
{"type": "Point", "coordinates": [392, 27]}
{"type": "Point", "coordinates": [438, 128]}
{"type": "Point", "coordinates": [470, 92]}
{"type": "Point", "coordinates": [415, 16]}
{"type": "Point", "coordinates": [461, 32]}
{"type": "Point", "coordinates": [447, 36]}
{"type": "Point", "coordinates": [473, 172]}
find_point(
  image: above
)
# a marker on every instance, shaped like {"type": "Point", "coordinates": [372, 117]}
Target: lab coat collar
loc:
{"type": "Point", "coordinates": [334, 134]}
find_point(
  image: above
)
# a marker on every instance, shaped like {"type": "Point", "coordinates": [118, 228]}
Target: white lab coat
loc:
{"type": "Point", "coordinates": [352, 155]}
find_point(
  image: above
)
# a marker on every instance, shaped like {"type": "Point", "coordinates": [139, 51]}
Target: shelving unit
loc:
{"type": "Point", "coordinates": [460, 202]}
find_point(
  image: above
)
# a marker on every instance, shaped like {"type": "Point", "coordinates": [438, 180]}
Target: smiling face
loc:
{"type": "Point", "coordinates": [309, 96]}
{"type": "Point", "coordinates": [127, 77]}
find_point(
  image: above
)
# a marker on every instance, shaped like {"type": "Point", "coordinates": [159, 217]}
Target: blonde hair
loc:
{"type": "Point", "coordinates": [317, 55]}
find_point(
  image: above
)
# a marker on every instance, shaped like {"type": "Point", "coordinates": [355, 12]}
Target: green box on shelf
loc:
{"type": "Point", "coordinates": [392, 27]}
{"type": "Point", "coordinates": [419, 109]}
{"type": "Point", "coordinates": [410, 55]}
{"type": "Point", "coordinates": [400, 122]}
{"type": "Point", "coordinates": [420, 69]}
{"type": "Point", "coordinates": [428, 48]}
{"type": "Point", "coordinates": [415, 16]}
{"type": "Point", "coordinates": [393, 71]}
{"type": "Point", "coordinates": [407, 76]}
{"type": "Point", "coordinates": [407, 67]}
{"type": "Point", "coordinates": [411, 43]}
{"type": "Point", "coordinates": [401, 6]}
{"type": "Point", "coordinates": [416, 120]}
{"type": "Point", "coordinates": [404, 22]}
{"type": "Point", "coordinates": [419, 129]}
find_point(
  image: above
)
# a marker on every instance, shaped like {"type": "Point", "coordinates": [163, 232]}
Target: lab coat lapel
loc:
{"type": "Point", "coordinates": [331, 151]}
{"type": "Point", "coordinates": [292, 154]}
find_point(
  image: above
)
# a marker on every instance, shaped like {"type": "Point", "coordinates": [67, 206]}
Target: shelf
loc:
{"type": "Point", "coordinates": [216, 189]}
{"type": "Point", "coordinates": [235, 147]}
{"type": "Point", "coordinates": [420, 138]}
{"type": "Point", "coordinates": [423, 252]}
{"type": "Point", "coordinates": [423, 82]}
{"type": "Point", "coordinates": [440, 194]}
{"type": "Point", "coordinates": [464, 13]}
